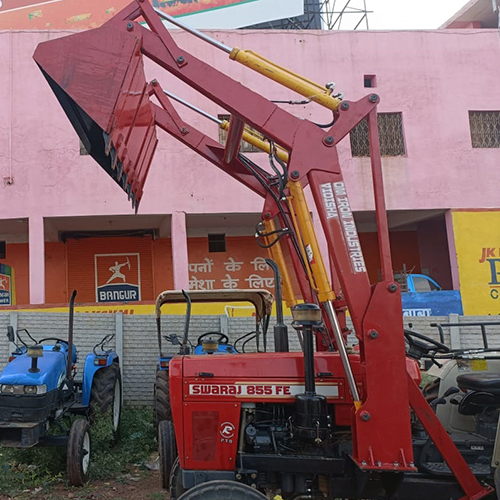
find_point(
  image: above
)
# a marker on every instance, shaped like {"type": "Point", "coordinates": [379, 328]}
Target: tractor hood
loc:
{"type": "Point", "coordinates": [52, 368]}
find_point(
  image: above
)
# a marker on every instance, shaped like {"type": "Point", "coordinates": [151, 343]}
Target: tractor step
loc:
{"type": "Point", "coordinates": [442, 469]}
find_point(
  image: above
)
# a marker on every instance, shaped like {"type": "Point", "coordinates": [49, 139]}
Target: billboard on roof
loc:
{"type": "Point", "coordinates": [86, 14]}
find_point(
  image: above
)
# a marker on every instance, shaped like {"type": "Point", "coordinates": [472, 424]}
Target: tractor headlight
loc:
{"type": "Point", "coordinates": [23, 389]}
{"type": "Point", "coordinates": [35, 389]}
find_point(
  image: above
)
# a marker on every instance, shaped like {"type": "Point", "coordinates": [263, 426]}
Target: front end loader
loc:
{"type": "Point", "coordinates": [331, 421]}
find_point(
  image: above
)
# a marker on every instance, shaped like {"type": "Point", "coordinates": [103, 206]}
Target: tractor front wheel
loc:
{"type": "Point", "coordinates": [176, 487]}
{"type": "Point", "coordinates": [106, 396]}
{"type": "Point", "coordinates": [163, 410]}
{"type": "Point", "coordinates": [78, 460]}
{"type": "Point", "coordinates": [222, 490]}
{"type": "Point", "coordinates": [167, 450]}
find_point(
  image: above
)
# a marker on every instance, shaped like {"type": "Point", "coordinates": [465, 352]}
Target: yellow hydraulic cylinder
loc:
{"type": "Point", "coordinates": [255, 139]}
{"type": "Point", "coordinates": [314, 257]}
{"type": "Point", "coordinates": [276, 254]}
{"type": "Point", "coordinates": [287, 78]}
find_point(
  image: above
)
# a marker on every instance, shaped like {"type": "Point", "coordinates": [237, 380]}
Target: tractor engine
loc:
{"type": "Point", "coordinates": [286, 429]}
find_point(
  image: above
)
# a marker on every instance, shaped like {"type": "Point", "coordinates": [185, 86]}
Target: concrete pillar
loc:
{"type": "Point", "coordinates": [180, 261]}
{"type": "Point", "coordinates": [37, 260]}
{"type": "Point", "coordinates": [119, 337]}
{"type": "Point", "coordinates": [455, 342]}
{"type": "Point", "coordinates": [455, 279]}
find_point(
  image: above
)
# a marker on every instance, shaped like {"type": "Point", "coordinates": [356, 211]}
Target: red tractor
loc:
{"type": "Point", "coordinates": [327, 421]}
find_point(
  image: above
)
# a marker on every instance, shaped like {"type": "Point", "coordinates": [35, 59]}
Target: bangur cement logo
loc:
{"type": "Point", "coordinates": [5, 290]}
{"type": "Point", "coordinates": [118, 277]}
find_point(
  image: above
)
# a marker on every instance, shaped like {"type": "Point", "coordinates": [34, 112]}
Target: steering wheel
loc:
{"type": "Point", "coordinates": [54, 339]}
{"type": "Point", "coordinates": [421, 345]}
{"type": "Point", "coordinates": [223, 338]}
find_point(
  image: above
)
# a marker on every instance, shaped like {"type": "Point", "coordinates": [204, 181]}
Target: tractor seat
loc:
{"type": "Point", "coordinates": [481, 382]}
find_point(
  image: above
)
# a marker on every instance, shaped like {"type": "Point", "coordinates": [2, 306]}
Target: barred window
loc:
{"type": "Point", "coordinates": [485, 129]}
{"type": "Point", "coordinates": [390, 130]}
{"type": "Point", "coordinates": [216, 242]}
{"type": "Point", "coordinates": [245, 146]}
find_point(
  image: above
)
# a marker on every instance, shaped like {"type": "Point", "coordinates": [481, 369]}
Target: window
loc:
{"type": "Point", "coordinates": [216, 242]}
{"type": "Point", "coordinates": [390, 129]}
{"type": "Point", "coordinates": [245, 146]}
{"type": "Point", "coordinates": [370, 81]}
{"type": "Point", "coordinates": [423, 285]}
{"type": "Point", "coordinates": [83, 149]}
{"type": "Point", "coordinates": [3, 250]}
{"type": "Point", "coordinates": [485, 129]}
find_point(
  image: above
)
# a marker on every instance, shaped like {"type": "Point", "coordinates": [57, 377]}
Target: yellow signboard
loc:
{"type": "Point", "coordinates": [477, 241]}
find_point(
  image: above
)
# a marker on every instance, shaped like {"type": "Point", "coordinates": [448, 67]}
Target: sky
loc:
{"type": "Point", "coordinates": [406, 14]}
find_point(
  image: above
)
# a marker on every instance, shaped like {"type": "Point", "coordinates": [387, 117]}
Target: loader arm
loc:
{"type": "Point", "coordinates": [98, 77]}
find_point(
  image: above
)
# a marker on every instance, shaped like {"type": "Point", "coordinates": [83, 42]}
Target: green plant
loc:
{"type": "Point", "coordinates": [22, 469]}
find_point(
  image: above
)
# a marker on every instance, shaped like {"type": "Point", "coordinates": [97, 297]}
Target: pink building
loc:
{"type": "Point", "coordinates": [65, 222]}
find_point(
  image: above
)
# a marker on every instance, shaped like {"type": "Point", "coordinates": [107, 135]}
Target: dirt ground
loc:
{"type": "Point", "coordinates": [136, 485]}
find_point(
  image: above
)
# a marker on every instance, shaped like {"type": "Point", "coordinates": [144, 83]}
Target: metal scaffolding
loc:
{"type": "Point", "coordinates": [325, 14]}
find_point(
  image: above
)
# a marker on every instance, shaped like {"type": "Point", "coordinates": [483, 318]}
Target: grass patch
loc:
{"type": "Point", "coordinates": [22, 469]}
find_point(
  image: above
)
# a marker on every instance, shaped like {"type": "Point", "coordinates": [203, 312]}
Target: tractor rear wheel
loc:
{"type": "Point", "coordinates": [167, 450]}
{"type": "Point", "coordinates": [176, 487]}
{"type": "Point", "coordinates": [163, 410]}
{"type": "Point", "coordinates": [222, 490]}
{"type": "Point", "coordinates": [78, 460]}
{"type": "Point", "coordinates": [106, 396]}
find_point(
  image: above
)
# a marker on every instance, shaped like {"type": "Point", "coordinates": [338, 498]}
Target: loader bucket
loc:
{"type": "Point", "coordinates": [98, 78]}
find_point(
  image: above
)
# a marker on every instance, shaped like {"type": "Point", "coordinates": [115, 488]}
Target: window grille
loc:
{"type": "Point", "coordinates": [216, 242]}
{"type": "Point", "coordinates": [245, 146]}
{"type": "Point", "coordinates": [485, 129]}
{"type": "Point", "coordinates": [390, 130]}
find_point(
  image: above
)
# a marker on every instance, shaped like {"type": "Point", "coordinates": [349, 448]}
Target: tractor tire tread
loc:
{"type": "Point", "coordinates": [163, 409]}
{"type": "Point", "coordinates": [167, 449]}
{"type": "Point", "coordinates": [222, 490]}
{"type": "Point", "coordinates": [103, 393]}
{"type": "Point", "coordinates": [176, 487]}
{"type": "Point", "coordinates": [76, 475]}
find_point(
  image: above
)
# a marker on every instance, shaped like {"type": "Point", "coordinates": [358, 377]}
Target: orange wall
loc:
{"type": "Point", "coordinates": [56, 287]}
{"type": "Point", "coordinates": [18, 258]}
{"type": "Point", "coordinates": [243, 249]}
{"type": "Point", "coordinates": [404, 248]}
{"type": "Point", "coordinates": [155, 259]}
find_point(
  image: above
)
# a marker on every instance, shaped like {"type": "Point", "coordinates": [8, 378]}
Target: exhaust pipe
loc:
{"type": "Point", "coordinates": [280, 329]}
{"type": "Point", "coordinates": [70, 334]}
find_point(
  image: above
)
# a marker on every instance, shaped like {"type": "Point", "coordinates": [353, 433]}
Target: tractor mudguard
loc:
{"type": "Point", "coordinates": [163, 362]}
{"type": "Point", "coordinates": [90, 370]}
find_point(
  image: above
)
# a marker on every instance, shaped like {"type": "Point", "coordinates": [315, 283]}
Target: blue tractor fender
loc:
{"type": "Point", "coordinates": [92, 365]}
{"type": "Point", "coordinates": [163, 362]}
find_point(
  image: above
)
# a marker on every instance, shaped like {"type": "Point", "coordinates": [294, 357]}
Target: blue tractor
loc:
{"type": "Point", "coordinates": [38, 391]}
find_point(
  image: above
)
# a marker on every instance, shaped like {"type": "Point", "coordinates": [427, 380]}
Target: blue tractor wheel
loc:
{"type": "Point", "coordinates": [79, 447]}
{"type": "Point", "coordinates": [106, 396]}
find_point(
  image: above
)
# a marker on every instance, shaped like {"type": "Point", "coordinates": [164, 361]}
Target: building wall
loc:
{"type": "Point", "coordinates": [41, 150]}
{"type": "Point", "coordinates": [18, 258]}
{"type": "Point", "coordinates": [434, 251]}
{"type": "Point", "coordinates": [477, 240]}
{"type": "Point", "coordinates": [404, 249]}
{"type": "Point", "coordinates": [45, 176]}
